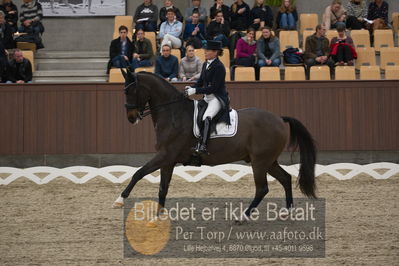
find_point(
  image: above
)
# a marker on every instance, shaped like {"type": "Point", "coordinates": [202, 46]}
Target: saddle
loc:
{"type": "Point", "coordinates": [218, 129]}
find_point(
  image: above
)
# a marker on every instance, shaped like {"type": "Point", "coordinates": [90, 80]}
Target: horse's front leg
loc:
{"type": "Point", "coordinates": [166, 176]}
{"type": "Point", "coordinates": [157, 162]}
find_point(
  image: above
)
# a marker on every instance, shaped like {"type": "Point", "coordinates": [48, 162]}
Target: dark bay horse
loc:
{"type": "Point", "coordinates": [261, 137]}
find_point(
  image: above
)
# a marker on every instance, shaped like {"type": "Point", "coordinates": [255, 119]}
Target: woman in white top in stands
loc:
{"type": "Point", "coordinates": [190, 66]}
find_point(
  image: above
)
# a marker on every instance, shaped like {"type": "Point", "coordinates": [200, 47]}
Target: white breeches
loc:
{"type": "Point", "coordinates": [213, 108]}
{"type": "Point", "coordinates": [171, 40]}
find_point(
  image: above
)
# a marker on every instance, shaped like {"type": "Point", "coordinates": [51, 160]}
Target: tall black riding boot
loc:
{"type": "Point", "coordinates": [201, 147]}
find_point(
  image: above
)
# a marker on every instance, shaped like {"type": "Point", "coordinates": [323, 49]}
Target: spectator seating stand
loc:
{"type": "Point", "coordinates": [370, 73]}
{"type": "Point", "coordinates": [28, 54]}
{"type": "Point", "coordinates": [320, 73]}
{"type": "Point", "coordinates": [361, 38]}
{"type": "Point", "coordinates": [294, 73]}
{"type": "Point", "coordinates": [345, 73]}
{"type": "Point", "coordinates": [269, 74]}
{"type": "Point", "coordinates": [308, 22]}
{"type": "Point", "coordinates": [389, 56]}
{"type": "Point", "coordinates": [392, 72]}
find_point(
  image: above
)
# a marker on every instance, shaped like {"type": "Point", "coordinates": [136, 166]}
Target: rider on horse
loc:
{"type": "Point", "coordinates": [212, 84]}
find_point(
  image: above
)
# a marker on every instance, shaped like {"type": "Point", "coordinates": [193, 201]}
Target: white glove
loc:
{"type": "Point", "coordinates": [190, 91]}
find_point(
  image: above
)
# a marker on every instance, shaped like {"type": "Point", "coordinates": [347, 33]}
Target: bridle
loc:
{"type": "Point", "coordinates": [143, 112]}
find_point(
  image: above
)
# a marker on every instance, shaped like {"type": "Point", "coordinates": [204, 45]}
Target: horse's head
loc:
{"type": "Point", "coordinates": [136, 96]}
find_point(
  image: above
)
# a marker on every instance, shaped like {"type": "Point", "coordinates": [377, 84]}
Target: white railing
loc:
{"type": "Point", "coordinates": [228, 172]}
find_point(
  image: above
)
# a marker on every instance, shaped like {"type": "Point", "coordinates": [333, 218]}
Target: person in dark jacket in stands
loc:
{"type": "Point", "coordinates": [11, 12]}
{"type": "Point", "coordinates": [194, 32]}
{"type": "Point", "coordinates": [317, 50]}
{"type": "Point", "coordinates": [219, 29]}
{"type": "Point", "coordinates": [6, 32]}
{"type": "Point", "coordinates": [196, 6]}
{"type": "Point", "coordinates": [19, 69]}
{"type": "Point", "coordinates": [121, 50]}
{"type": "Point", "coordinates": [143, 54]}
{"type": "Point", "coordinates": [168, 4]}
{"type": "Point", "coordinates": [146, 16]}
{"type": "Point", "coordinates": [167, 65]}
{"type": "Point", "coordinates": [240, 15]}
{"type": "Point", "coordinates": [261, 16]}
{"type": "Point", "coordinates": [220, 6]}
{"type": "Point", "coordinates": [378, 13]}
{"type": "Point", "coordinates": [3, 63]}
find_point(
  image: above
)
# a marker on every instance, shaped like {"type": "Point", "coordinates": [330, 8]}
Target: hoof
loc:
{"type": "Point", "coordinates": [244, 219]}
{"type": "Point", "coordinates": [284, 216]}
{"type": "Point", "coordinates": [240, 222]}
{"type": "Point", "coordinates": [151, 224]}
{"type": "Point", "coordinates": [119, 203]}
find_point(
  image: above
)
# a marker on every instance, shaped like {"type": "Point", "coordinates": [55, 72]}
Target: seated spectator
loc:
{"type": "Point", "coordinates": [171, 30]}
{"type": "Point", "coordinates": [6, 33]}
{"type": "Point", "coordinates": [261, 16]}
{"type": "Point", "coordinates": [287, 16]}
{"type": "Point", "coordinates": [378, 13]}
{"type": "Point", "coordinates": [31, 17]}
{"type": "Point", "coordinates": [196, 6]}
{"type": "Point", "coordinates": [240, 15]}
{"type": "Point", "coordinates": [19, 69]}
{"type": "Point", "coordinates": [190, 66]}
{"type": "Point", "coordinates": [268, 49]}
{"type": "Point", "coordinates": [120, 50]}
{"type": "Point", "coordinates": [342, 48]}
{"type": "Point", "coordinates": [318, 49]}
{"type": "Point", "coordinates": [334, 15]}
{"type": "Point", "coordinates": [143, 54]}
{"type": "Point", "coordinates": [3, 63]}
{"type": "Point", "coordinates": [146, 16]}
{"type": "Point", "coordinates": [168, 4]}
{"type": "Point", "coordinates": [167, 65]}
{"type": "Point", "coordinates": [11, 12]}
{"type": "Point", "coordinates": [246, 49]}
{"type": "Point", "coordinates": [220, 6]}
{"type": "Point", "coordinates": [356, 11]}
{"type": "Point", "coordinates": [219, 29]}
{"type": "Point", "coordinates": [194, 32]}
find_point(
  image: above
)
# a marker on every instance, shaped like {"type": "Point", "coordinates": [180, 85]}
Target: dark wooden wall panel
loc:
{"type": "Point", "coordinates": [11, 120]}
{"type": "Point", "coordinates": [60, 119]}
{"type": "Point", "coordinates": [91, 118]}
{"type": "Point", "coordinates": [115, 133]}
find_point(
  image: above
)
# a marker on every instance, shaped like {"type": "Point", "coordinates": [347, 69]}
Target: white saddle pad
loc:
{"type": "Point", "coordinates": [222, 129]}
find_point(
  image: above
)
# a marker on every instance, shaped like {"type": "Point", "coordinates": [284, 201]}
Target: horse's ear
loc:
{"type": "Point", "coordinates": [124, 73]}
{"type": "Point", "coordinates": [130, 74]}
{"type": "Point", "coordinates": [130, 69]}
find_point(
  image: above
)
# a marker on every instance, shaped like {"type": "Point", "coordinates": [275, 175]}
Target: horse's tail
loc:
{"type": "Point", "coordinates": [300, 136]}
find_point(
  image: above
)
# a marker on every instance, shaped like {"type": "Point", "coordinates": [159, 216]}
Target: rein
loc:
{"type": "Point", "coordinates": [147, 109]}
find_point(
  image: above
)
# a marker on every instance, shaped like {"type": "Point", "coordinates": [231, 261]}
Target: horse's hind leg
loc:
{"type": "Point", "coordinates": [285, 180]}
{"type": "Point", "coordinates": [262, 188]}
